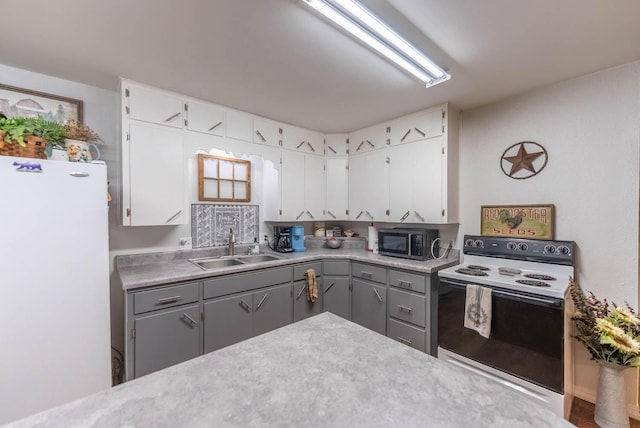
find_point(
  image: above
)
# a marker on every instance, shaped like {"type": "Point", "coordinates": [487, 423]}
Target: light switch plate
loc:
{"type": "Point", "coordinates": [184, 243]}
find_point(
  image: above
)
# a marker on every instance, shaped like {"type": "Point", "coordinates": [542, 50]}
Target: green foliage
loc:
{"type": "Point", "coordinates": [53, 132]}
{"type": "Point", "coordinates": [15, 129]}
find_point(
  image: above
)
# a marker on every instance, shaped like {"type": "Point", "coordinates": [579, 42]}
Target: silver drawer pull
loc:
{"type": "Point", "coordinates": [166, 300]}
{"type": "Point", "coordinates": [331, 214]}
{"type": "Point", "coordinates": [300, 215]}
{"type": "Point", "coordinates": [366, 274]}
{"type": "Point", "coordinates": [360, 145]}
{"type": "Point", "coordinates": [173, 216]}
{"type": "Point", "coordinates": [403, 218]}
{"type": "Point", "coordinates": [261, 137]}
{"type": "Point", "coordinates": [403, 340]}
{"type": "Point", "coordinates": [310, 215]}
{"type": "Point", "coordinates": [191, 320]}
{"type": "Point", "coordinates": [169, 119]}
{"type": "Point", "coordinates": [300, 145]}
{"type": "Point", "coordinates": [419, 216]}
{"type": "Point", "coordinates": [244, 306]}
{"type": "Point", "coordinates": [301, 291]}
{"type": "Point", "coordinates": [378, 295]}
{"type": "Point", "coordinates": [79, 174]}
{"type": "Point", "coordinates": [311, 147]}
{"type": "Point", "coordinates": [359, 214]}
{"type": "Point", "coordinates": [402, 283]}
{"type": "Point", "coordinates": [404, 308]}
{"type": "Point", "coordinates": [420, 132]}
{"type": "Point", "coordinates": [405, 135]}
{"type": "Point", "coordinates": [329, 287]}
{"type": "Point", "coordinates": [331, 148]}
{"type": "Point", "coordinates": [370, 143]}
{"type": "Point", "coordinates": [369, 214]}
{"type": "Point", "coordinates": [215, 126]}
{"type": "Point", "coordinates": [262, 301]}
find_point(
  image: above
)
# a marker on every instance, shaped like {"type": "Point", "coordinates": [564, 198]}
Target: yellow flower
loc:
{"type": "Point", "coordinates": [616, 337]}
{"type": "Point", "coordinates": [625, 316]}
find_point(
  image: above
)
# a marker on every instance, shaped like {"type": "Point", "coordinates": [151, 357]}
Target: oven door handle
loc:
{"type": "Point", "coordinates": [554, 303]}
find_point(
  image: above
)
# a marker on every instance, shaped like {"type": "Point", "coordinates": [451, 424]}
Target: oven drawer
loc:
{"type": "Point", "coordinates": [407, 307]}
{"type": "Point", "coordinates": [168, 297]}
{"type": "Point", "coordinates": [408, 281]}
{"type": "Point", "coordinates": [407, 334]}
{"type": "Point", "coordinates": [368, 272]}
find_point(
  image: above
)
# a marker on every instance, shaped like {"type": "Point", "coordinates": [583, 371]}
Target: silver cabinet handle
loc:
{"type": "Point", "coordinates": [366, 274]}
{"type": "Point", "coordinates": [300, 215]}
{"type": "Point", "coordinates": [360, 145]}
{"type": "Point", "coordinates": [262, 301]}
{"type": "Point", "coordinates": [244, 306]}
{"type": "Point", "coordinates": [403, 340]}
{"type": "Point", "coordinates": [301, 291]}
{"type": "Point", "coordinates": [403, 218]}
{"type": "Point", "coordinates": [331, 148]}
{"type": "Point", "coordinates": [370, 143]}
{"type": "Point", "coordinates": [419, 216]}
{"type": "Point", "coordinates": [215, 126]}
{"type": "Point", "coordinates": [300, 145]}
{"type": "Point", "coordinates": [173, 216]}
{"type": "Point", "coordinates": [310, 215]}
{"type": "Point", "coordinates": [359, 214]}
{"type": "Point", "coordinates": [166, 300]}
{"type": "Point", "coordinates": [191, 320]}
{"type": "Point", "coordinates": [79, 174]}
{"type": "Point", "coordinates": [169, 119]}
{"type": "Point", "coordinates": [329, 287]}
{"type": "Point", "coordinates": [378, 295]}
{"type": "Point", "coordinates": [369, 214]}
{"type": "Point", "coordinates": [402, 283]}
{"type": "Point", "coordinates": [405, 135]}
{"type": "Point", "coordinates": [311, 147]}
{"type": "Point", "coordinates": [331, 214]}
{"type": "Point", "coordinates": [404, 308]}
{"type": "Point", "coordinates": [261, 137]}
{"type": "Point", "coordinates": [420, 132]}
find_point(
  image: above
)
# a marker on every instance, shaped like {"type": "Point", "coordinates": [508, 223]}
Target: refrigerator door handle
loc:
{"type": "Point", "coordinates": [79, 174]}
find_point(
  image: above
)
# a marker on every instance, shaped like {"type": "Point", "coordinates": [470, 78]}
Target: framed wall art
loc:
{"type": "Point", "coordinates": [19, 102]}
{"type": "Point", "coordinates": [517, 221]}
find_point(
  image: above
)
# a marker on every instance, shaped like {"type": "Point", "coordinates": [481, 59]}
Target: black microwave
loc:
{"type": "Point", "coordinates": [408, 243]}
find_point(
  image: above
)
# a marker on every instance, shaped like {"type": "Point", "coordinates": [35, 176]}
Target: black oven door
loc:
{"type": "Point", "coordinates": [527, 333]}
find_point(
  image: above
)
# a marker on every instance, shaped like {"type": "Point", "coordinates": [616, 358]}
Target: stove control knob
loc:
{"type": "Point", "coordinates": [523, 247]}
{"type": "Point", "coordinates": [511, 246]}
{"type": "Point", "coordinates": [469, 243]}
{"type": "Point", "coordinates": [550, 249]}
{"type": "Point", "coordinates": [479, 243]}
{"type": "Point", "coordinates": [563, 249]}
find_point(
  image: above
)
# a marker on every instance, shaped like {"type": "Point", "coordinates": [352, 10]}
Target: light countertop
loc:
{"type": "Point", "coordinates": [320, 372]}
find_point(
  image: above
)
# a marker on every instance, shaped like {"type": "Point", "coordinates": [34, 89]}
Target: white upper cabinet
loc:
{"type": "Point", "coordinates": [337, 175]}
{"type": "Point", "coordinates": [203, 117]}
{"type": "Point", "coordinates": [267, 132]}
{"type": "Point", "coordinates": [419, 126]}
{"type": "Point", "coordinates": [314, 188]}
{"type": "Point", "coordinates": [292, 188]}
{"type": "Point", "coordinates": [368, 186]}
{"type": "Point", "coordinates": [302, 140]}
{"type": "Point", "coordinates": [239, 125]}
{"type": "Point", "coordinates": [336, 145]}
{"type": "Point", "coordinates": [367, 139]}
{"type": "Point", "coordinates": [154, 106]}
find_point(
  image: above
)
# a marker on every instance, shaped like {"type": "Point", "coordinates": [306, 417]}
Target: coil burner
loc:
{"type": "Point", "coordinates": [532, 282]}
{"type": "Point", "coordinates": [540, 277]}
{"type": "Point", "coordinates": [472, 272]}
{"type": "Point", "coordinates": [477, 267]}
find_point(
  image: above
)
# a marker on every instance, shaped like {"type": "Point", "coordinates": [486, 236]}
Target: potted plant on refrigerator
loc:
{"type": "Point", "coordinates": [78, 141]}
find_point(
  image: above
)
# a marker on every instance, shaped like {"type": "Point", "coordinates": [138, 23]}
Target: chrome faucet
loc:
{"type": "Point", "coordinates": [232, 243]}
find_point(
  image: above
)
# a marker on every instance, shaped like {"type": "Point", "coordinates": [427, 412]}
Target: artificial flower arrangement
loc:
{"type": "Point", "coordinates": [610, 333]}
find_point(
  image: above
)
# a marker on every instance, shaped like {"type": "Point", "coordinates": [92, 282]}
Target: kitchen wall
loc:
{"type": "Point", "coordinates": [590, 127]}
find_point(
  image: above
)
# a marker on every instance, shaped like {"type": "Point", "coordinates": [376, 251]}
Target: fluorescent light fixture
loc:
{"type": "Point", "coordinates": [368, 28]}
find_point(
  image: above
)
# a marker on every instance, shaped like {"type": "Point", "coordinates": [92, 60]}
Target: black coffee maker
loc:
{"type": "Point", "coordinates": [282, 239]}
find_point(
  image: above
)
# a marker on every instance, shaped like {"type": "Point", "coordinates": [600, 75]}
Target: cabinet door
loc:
{"type": "Point", "coordinates": [266, 132]}
{"type": "Point", "coordinates": [166, 338]}
{"type": "Point", "coordinates": [272, 308]}
{"type": "Point", "coordinates": [314, 188]}
{"type": "Point", "coordinates": [207, 118]}
{"type": "Point", "coordinates": [368, 186]}
{"type": "Point", "coordinates": [365, 140]}
{"type": "Point", "coordinates": [239, 125]}
{"type": "Point", "coordinates": [293, 138]}
{"type": "Point", "coordinates": [335, 298]}
{"type": "Point", "coordinates": [418, 126]}
{"type": "Point", "coordinates": [154, 106]}
{"type": "Point", "coordinates": [156, 189]}
{"type": "Point", "coordinates": [292, 185]}
{"type": "Point", "coordinates": [336, 145]}
{"type": "Point", "coordinates": [227, 321]}
{"type": "Point", "coordinates": [336, 188]}
{"type": "Point", "coordinates": [427, 188]}
{"type": "Point", "coordinates": [369, 305]}
{"type": "Point", "coordinates": [302, 307]}
{"type": "Point", "coordinates": [402, 174]}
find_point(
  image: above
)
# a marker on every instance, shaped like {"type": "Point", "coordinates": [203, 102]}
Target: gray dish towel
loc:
{"type": "Point", "coordinates": [477, 309]}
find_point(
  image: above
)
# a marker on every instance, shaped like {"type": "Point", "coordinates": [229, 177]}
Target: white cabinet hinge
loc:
{"type": "Point", "coordinates": [346, 212]}
{"type": "Point", "coordinates": [444, 113]}
{"type": "Point", "coordinates": [128, 212]}
{"type": "Point", "coordinates": [347, 167]}
{"type": "Point", "coordinates": [443, 129]}
{"type": "Point", "coordinates": [126, 109]}
{"type": "Point", "coordinates": [186, 122]}
{"type": "Point", "coordinates": [387, 160]}
{"type": "Point", "coordinates": [186, 107]}
{"type": "Point", "coordinates": [128, 136]}
{"type": "Point", "coordinates": [388, 130]}
{"type": "Point", "coordinates": [126, 92]}
{"type": "Point", "coordinates": [443, 150]}
{"type": "Point", "coordinates": [442, 213]}
{"type": "Point", "coordinates": [280, 212]}
{"type": "Point", "coordinates": [133, 333]}
{"type": "Point", "coordinates": [280, 161]}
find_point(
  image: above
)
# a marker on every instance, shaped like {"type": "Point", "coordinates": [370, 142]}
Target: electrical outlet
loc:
{"type": "Point", "coordinates": [184, 243]}
{"type": "Point", "coordinates": [264, 238]}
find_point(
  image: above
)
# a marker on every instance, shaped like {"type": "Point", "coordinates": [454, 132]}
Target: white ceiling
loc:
{"type": "Point", "coordinates": [277, 59]}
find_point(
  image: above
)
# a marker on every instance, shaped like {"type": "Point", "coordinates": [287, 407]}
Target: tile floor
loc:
{"type": "Point", "coordinates": [582, 415]}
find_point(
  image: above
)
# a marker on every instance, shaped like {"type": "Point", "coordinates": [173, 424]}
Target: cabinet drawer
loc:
{"type": "Point", "coordinates": [152, 300]}
{"type": "Point", "coordinates": [247, 281]}
{"type": "Point", "coordinates": [369, 272]}
{"type": "Point", "coordinates": [408, 307]}
{"type": "Point", "coordinates": [407, 334]}
{"type": "Point", "coordinates": [408, 281]}
{"type": "Point", "coordinates": [336, 267]}
{"type": "Point", "coordinates": [299, 271]}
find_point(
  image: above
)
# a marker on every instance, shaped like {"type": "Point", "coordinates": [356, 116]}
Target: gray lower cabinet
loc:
{"type": "Point", "coordinates": [302, 307]}
{"type": "Point", "coordinates": [166, 338]}
{"type": "Point", "coordinates": [227, 320]}
{"type": "Point", "coordinates": [272, 308]}
{"type": "Point", "coordinates": [369, 305]}
{"type": "Point", "coordinates": [337, 293]}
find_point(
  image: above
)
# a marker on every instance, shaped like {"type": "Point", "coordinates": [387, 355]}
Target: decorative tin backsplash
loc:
{"type": "Point", "coordinates": [210, 224]}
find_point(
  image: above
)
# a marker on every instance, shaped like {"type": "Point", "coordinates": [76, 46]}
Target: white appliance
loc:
{"type": "Point", "coordinates": [54, 284]}
{"type": "Point", "coordinates": [527, 349]}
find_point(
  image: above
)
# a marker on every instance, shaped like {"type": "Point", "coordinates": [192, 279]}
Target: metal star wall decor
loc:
{"type": "Point", "coordinates": [523, 160]}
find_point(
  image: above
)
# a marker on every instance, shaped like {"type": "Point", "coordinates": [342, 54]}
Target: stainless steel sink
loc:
{"type": "Point", "coordinates": [257, 258]}
{"type": "Point", "coordinates": [216, 263]}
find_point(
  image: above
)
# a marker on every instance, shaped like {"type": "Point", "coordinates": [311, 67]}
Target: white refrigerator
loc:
{"type": "Point", "coordinates": [54, 284]}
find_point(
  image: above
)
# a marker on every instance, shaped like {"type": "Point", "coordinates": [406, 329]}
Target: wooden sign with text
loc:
{"type": "Point", "coordinates": [517, 221]}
